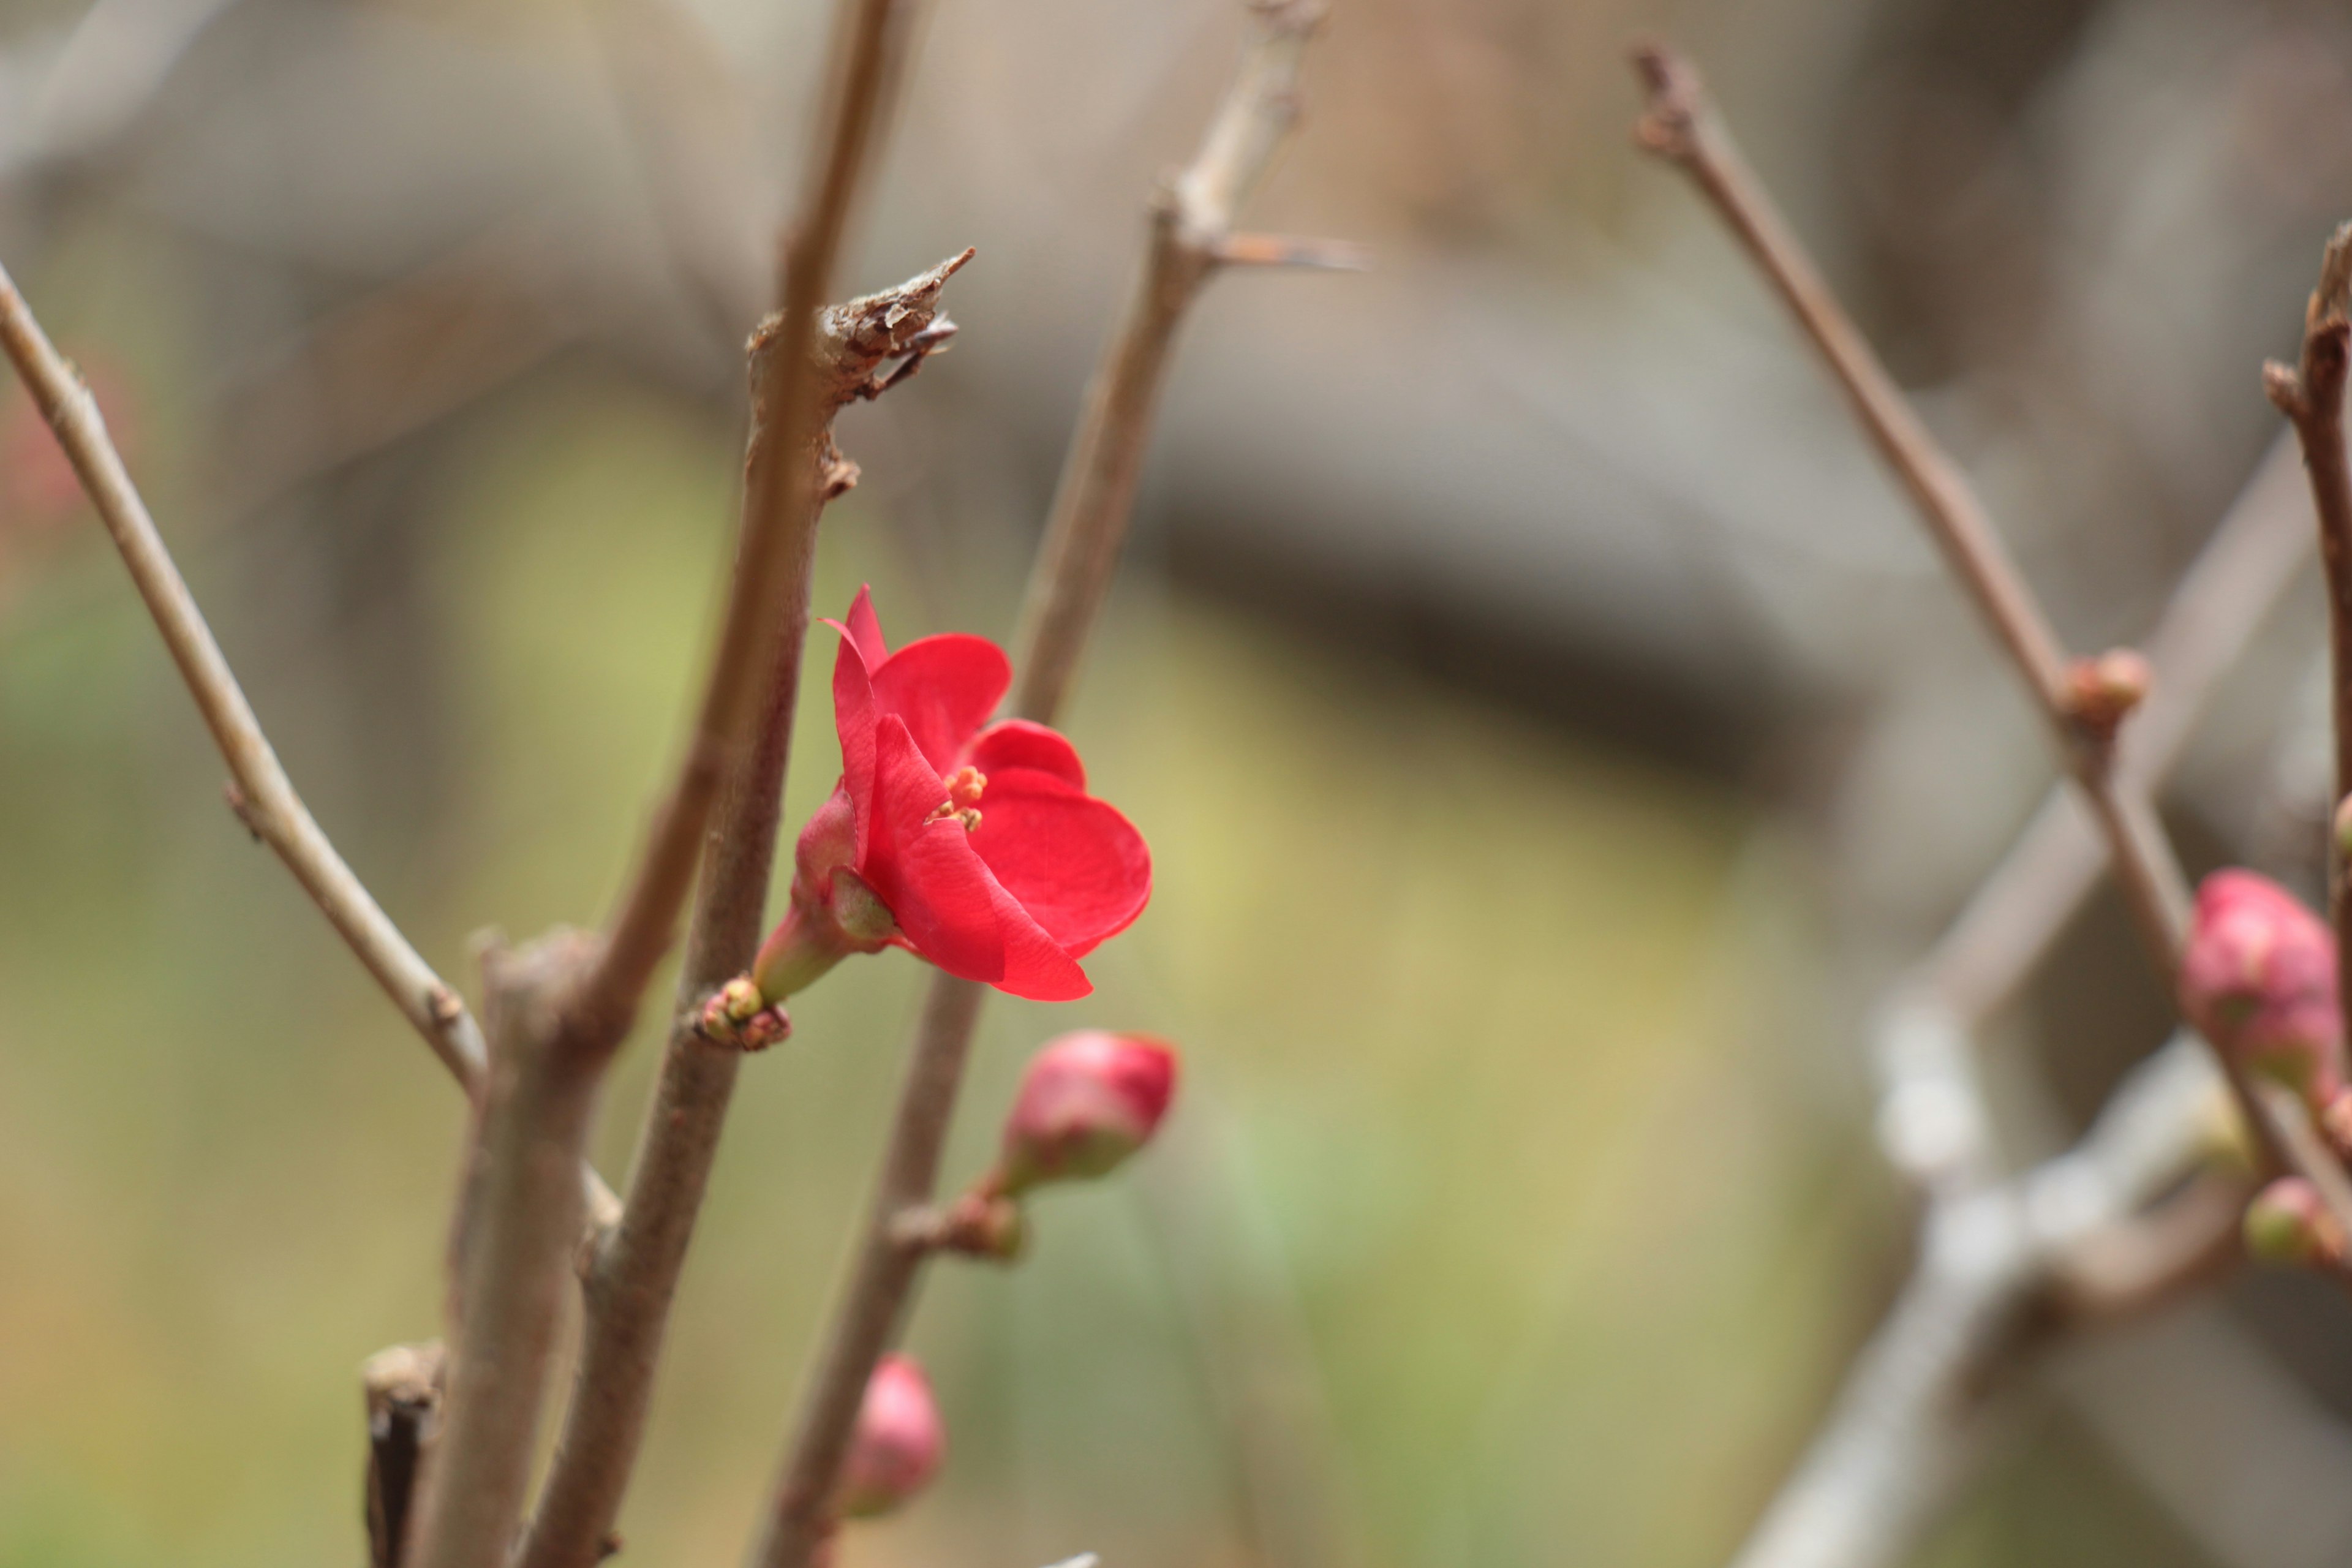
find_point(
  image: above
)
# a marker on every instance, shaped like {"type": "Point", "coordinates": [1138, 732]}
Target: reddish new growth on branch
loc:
{"type": "Point", "coordinates": [972, 845]}
{"type": "Point", "coordinates": [898, 1443]}
{"type": "Point", "coordinates": [2258, 978]}
{"type": "Point", "coordinates": [1089, 1101]}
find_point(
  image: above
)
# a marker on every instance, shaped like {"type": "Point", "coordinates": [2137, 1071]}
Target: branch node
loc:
{"type": "Point", "coordinates": [1672, 93]}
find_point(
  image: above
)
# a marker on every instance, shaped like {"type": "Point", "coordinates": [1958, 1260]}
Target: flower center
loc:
{"type": "Point", "coordinates": [965, 786]}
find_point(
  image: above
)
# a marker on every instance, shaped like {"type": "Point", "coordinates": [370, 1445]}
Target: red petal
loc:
{"type": "Point", "coordinates": [1018, 744]}
{"type": "Point", "coordinates": [854, 714]}
{"type": "Point", "coordinates": [927, 872]}
{"type": "Point", "coordinates": [1079, 867]}
{"type": "Point", "coordinates": [865, 628]}
{"type": "Point", "coordinates": [944, 688]}
{"type": "Point", "coordinates": [1035, 966]}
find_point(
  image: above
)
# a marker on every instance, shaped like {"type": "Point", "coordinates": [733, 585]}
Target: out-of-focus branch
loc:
{"type": "Point", "coordinates": [632, 1273]}
{"type": "Point", "coordinates": [403, 1388]}
{"type": "Point", "coordinates": [1191, 219]}
{"type": "Point", "coordinates": [1682, 126]}
{"type": "Point", "coordinates": [2000, 1269]}
{"type": "Point", "coordinates": [2311, 394]}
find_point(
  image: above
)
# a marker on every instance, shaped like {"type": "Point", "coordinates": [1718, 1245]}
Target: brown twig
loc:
{"type": "Point", "coordinates": [2016, 914]}
{"type": "Point", "coordinates": [570, 999]}
{"type": "Point", "coordinates": [632, 1271]}
{"type": "Point", "coordinates": [262, 796]}
{"type": "Point", "coordinates": [2311, 394]}
{"type": "Point", "coordinates": [1192, 234]}
{"type": "Point", "coordinates": [403, 1388]}
{"type": "Point", "coordinates": [519, 1226]}
{"type": "Point", "coordinates": [1191, 222]}
{"type": "Point", "coordinates": [779, 511]}
{"type": "Point", "coordinates": [1681, 125]}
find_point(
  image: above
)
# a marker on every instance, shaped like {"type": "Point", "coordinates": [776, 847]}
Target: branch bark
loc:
{"type": "Point", "coordinates": [632, 1271]}
{"type": "Point", "coordinates": [403, 1389]}
{"type": "Point", "coordinates": [518, 1224]}
{"type": "Point", "coordinates": [2311, 394]}
{"type": "Point", "coordinates": [2001, 1272]}
{"type": "Point", "coordinates": [572, 999]}
{"type": "Point", "coordinates": [1680, 124]}
{"type": "Point", "coordinates": [263, 797]}
{"type": "Point", "coordinates": [2009, 924]}
{"type": "Point", "coordinates": [1192, 230]}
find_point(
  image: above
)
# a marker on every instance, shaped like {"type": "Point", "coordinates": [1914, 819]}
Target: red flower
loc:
{"type": "Point", "coordinates": [972, 845]}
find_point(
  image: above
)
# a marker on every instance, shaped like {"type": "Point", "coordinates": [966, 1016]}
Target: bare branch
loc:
{"type": "Point", "coordinates": [573, 998]}
{"type": "Point", "coordinates": [2311, 396]}
{"type": "Point", "coordinates": [632, 1271]}
{"type": "Point", "coordinates": [1190, 221]}
{"type": "Point", "coordinates": [1681, 125]}
{"type": "Point", "coordinates": [771, 575]}
{"type": "Point", "coordinates": [1191, 227]}
{"type": "Point", "coordinates": [262, 796]}
{"type": "Point", "coordinates": [2001, 1266]}
{"type": "Point", "coordinates": [403, 1386]}
{"type": "Point", "coordinates": [2223, 600]}
{"type": "Point", "coordinates": [519, 1227]}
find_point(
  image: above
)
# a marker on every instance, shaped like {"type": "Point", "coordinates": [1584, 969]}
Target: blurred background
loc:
{"type": "Point", "coordinates": [1551, 731]}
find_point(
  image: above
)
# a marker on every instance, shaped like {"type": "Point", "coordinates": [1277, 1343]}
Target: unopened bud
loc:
{"type": "Point", "coordinates": [1089, 1101]}
{"type": "Point", "coordinates": [2100, 691]}
{"type": "Point", "coordinates": [2258, 978]}
{"type": "Point", "coordinates": [898, 1444]}
{"type": "Point", "coordinates": [2288, 1225]}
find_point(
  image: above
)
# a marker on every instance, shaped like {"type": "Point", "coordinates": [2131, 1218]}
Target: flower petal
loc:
{"type": "Point", "coordinates": [945, 688]}
{"type": "Point", "coordinates": [1035, 966]}
{"type": "Point", "coordinates": [945, 902]}
{"type": "Point", "coordinates": [865, 628]}
{"type": "Point", "coordinates": [1079, 867]}
{"type": "Point", "coordinates": [854, 712]}
{"type": "Point", "coordinates": [1018, 744]}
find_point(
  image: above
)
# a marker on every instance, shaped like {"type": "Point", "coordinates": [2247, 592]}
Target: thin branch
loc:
{"type": "Point", "coordinates": [570, 999]}
{"type": "Point", "coordinates": [1682, 126]}
{"type": "Point", "coordinates": [2223, 600]}
{"type": "Point", "coordinates": [2311, 396]}
{"type": "Point", "coordinates": [779, 506]}
{"type": "Point", "coordinates": [1192, 226]}
{"type": "Point", "coordinates": [632, 1271]}
{"type": "Point", "coordinates": [2000, 1268]}
{"type": "Point", "coordinates": [259, 791]}
{"type": "Point", "coordinates": [518, 1226]}
{"type": "Point", "coordinates": [403, 1389]}
{"type": "Point", "coordinates": [1192, 220]}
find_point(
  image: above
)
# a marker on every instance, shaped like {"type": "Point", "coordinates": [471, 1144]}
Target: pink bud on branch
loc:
{"type": "Point", "coordinates": [898, 1443]}
{"type": "Point", "coordinates": [2287, 1224]}
{"type": "Point", "coordinates": [1089, 1101]}
{"type": "Point", "coordinates": [2258, 978]}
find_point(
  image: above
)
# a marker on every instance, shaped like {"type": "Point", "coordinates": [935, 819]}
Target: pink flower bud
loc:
{"type": "Point", "coordinates": [2258, 977]}
{"type": "Point", "coordinates": [2287, 1224]}
{"type": "Point", "coordinates": [1089, 1101]}
{"type": "Point", "coordinates": [898, 1443]}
